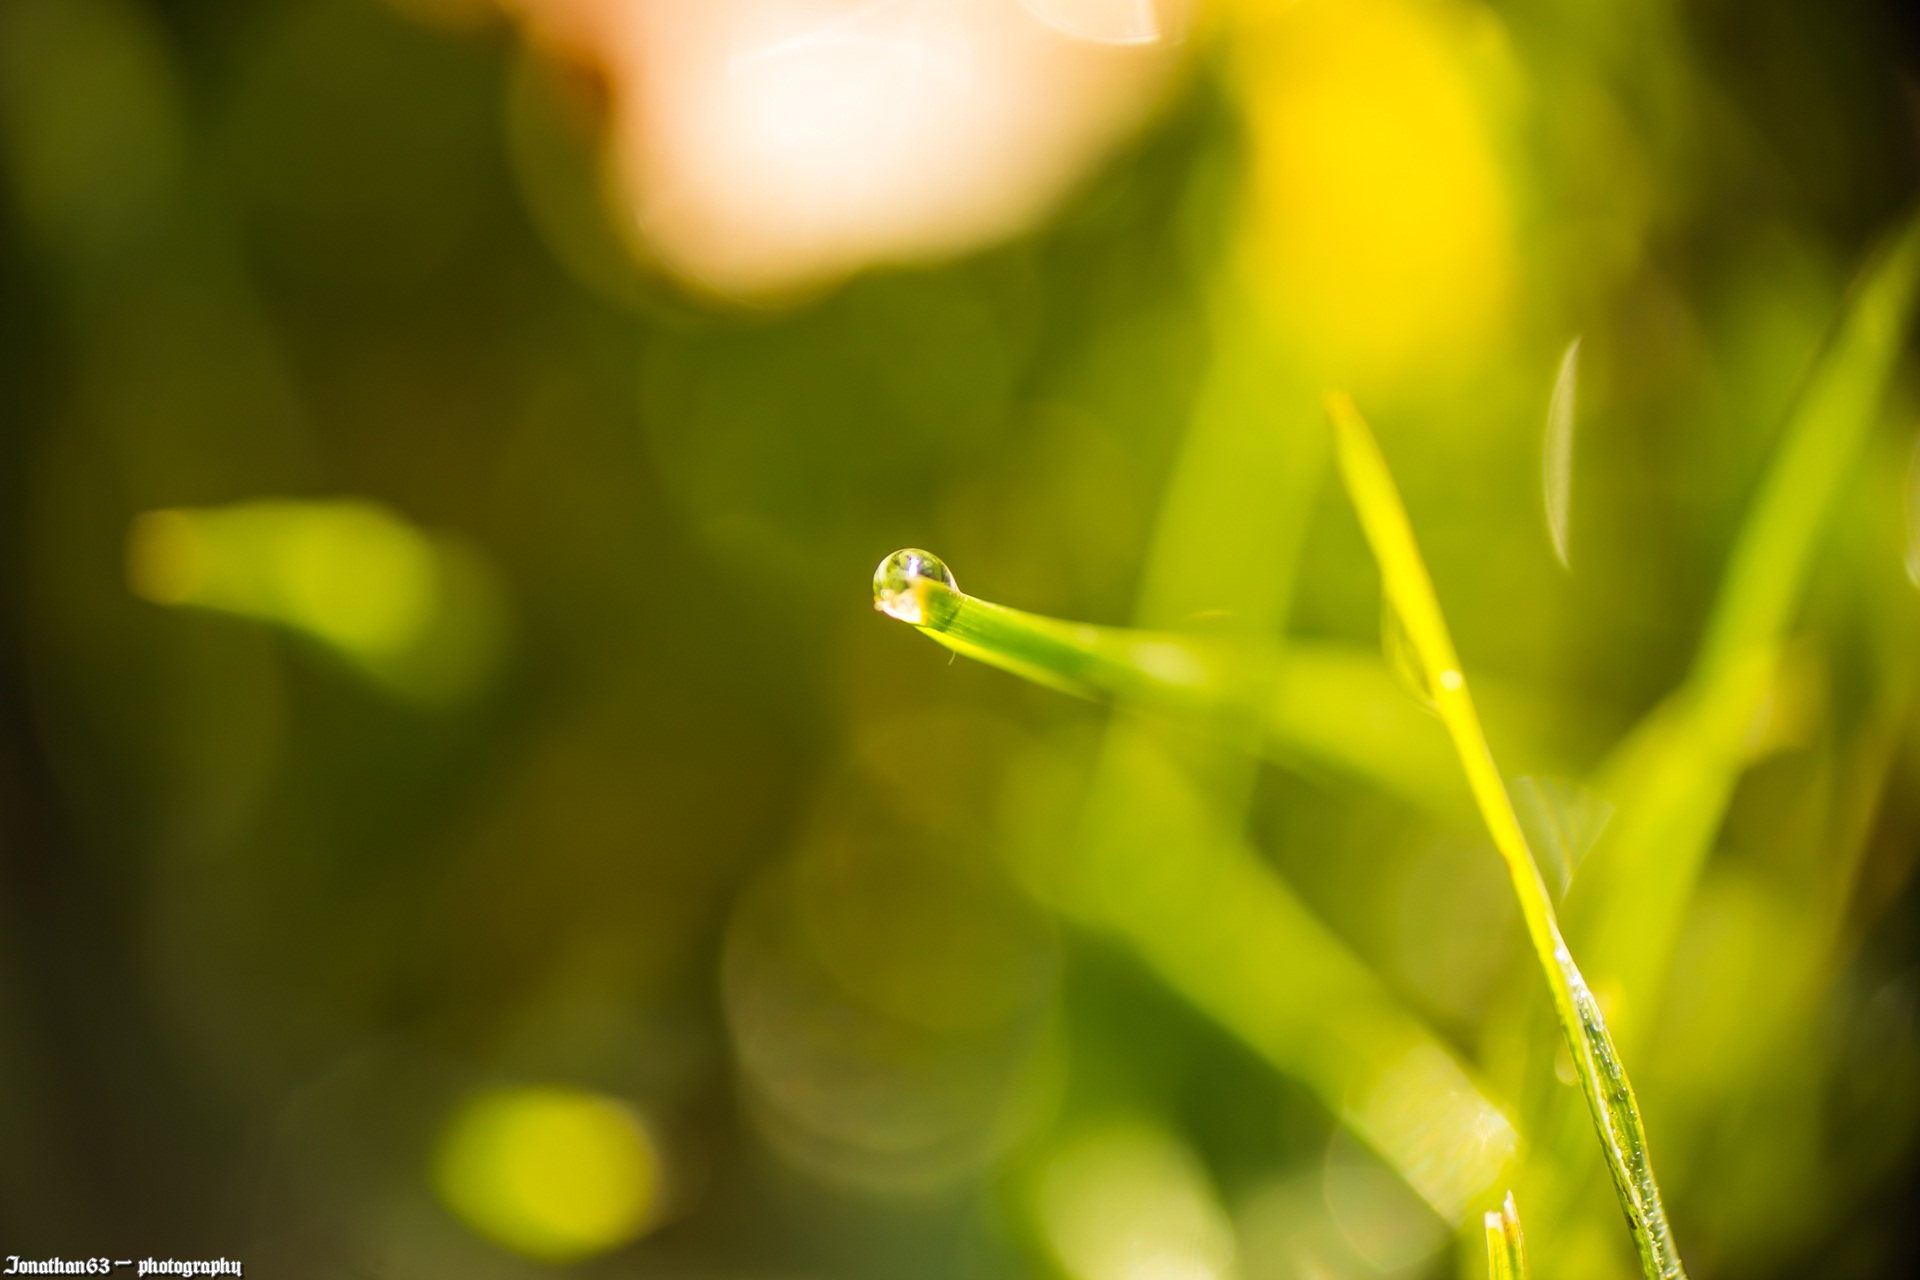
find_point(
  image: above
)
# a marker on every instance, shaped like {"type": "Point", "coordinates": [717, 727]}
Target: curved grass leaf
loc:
{"type": "Point", "coordinates": [1674, 777]}
{"type": "Point", "coordinates": [1556, 454]}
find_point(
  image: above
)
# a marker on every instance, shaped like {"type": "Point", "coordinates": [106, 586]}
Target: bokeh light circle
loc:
{"type": "Point", "coordinates": [552, 1173]}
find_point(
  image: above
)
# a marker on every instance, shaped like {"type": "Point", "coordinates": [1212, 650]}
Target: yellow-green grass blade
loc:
{"type": "Point", "coordinates": [1506, 1246]}
{"type": "Point", "coordinates": [1409, 591]}
{"type": "Point", "coordinates": [1325, 706]}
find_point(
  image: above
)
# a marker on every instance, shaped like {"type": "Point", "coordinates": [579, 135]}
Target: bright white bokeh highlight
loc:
{"type": "Point", "coordinates": [768, 146]}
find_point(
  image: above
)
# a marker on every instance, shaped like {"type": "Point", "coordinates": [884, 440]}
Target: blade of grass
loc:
{"type": "Point", "coordinates": [1506, 1246]}
{"type": "Point", "coordinates": [1675, 776]}
{"type": "Point", "coordinates": [1556, 454]}
{"type": "Point", "coordinates": [1323, 705]}
{"type": "Point", "coordinates": [1409, 590]}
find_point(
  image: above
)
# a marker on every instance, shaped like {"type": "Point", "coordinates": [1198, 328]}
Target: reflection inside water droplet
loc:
{"type": "Point", "coordinates": [902, 582]}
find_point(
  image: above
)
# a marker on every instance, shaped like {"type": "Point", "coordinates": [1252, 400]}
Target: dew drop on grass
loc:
{"type": "Point", "coordinates": [1556, 454]}
{"type": "Point", "coordinates": [901, 583]}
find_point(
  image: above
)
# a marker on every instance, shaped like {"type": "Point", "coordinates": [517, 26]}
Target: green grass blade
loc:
{"type": "Point", "coordinates": [1506, 1246]}
{"type": "Point", "coordinates": [1556, 453]}
{"type": "Point", "coordinates": [1674, 778]}
{"type": "Point", "coordinates": [1409, 591]}
{"type": "Point", "coordinates": [1830, 425]}
{"type": "Point", "coordinates": [1214, 677]}
{"type": "Point", "coordinates": [1325, 706]}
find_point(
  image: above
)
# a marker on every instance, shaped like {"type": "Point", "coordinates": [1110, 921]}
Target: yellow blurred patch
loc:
{"type": "Point", "coordinates": [1379, 228]}
{"type": "Point", "coordinates": [550, 1173]}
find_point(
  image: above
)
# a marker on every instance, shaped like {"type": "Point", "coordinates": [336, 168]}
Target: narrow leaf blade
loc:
{"type": "Point", "coordinates": [1556, 454]}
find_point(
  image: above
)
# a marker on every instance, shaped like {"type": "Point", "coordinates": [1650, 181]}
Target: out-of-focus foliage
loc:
{"type": "Point", "coordinates": [459, 814]}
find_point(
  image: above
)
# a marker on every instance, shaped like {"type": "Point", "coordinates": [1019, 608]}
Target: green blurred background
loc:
{"type": "Point", "coordinates": [479, 825]}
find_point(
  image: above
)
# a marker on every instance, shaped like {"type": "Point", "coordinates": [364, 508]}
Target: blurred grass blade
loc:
{"type": "Point", "coordinates": [1561, 820]}
{"type": "Point", "coordinates": [1159, 867]}
{"type": "Point", "coordinates": [1675, 775]}
{"type": "Point", "coordinates": [1162, 861]}
{"type": "Point", "coordinates": [1506, 1246]}
{"type": "Point", "coordinates": [1823, 440]}
{"type": "Point", "coordinates": [1556, 454]}
{"type": "Point", "coordinates": [1616, 1115]}
{"type": "Point", "coordinates": [1913, 516]}
{"type": "Point", "coordinates": [1149, 849]}
{"type": "Point", "coordinates": [1338, 707]}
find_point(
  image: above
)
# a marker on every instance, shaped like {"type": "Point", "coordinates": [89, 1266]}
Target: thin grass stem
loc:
{"type": "Point", "coordinates": [1409, 591]}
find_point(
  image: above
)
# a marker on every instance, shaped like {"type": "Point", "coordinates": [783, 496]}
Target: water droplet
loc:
{"type": "Point", "coordinates": [1451, 680]}
{"type": "Point", "coordinates": [903, 583]}
{"type": "Point", "coordinates": [1556, 455]}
